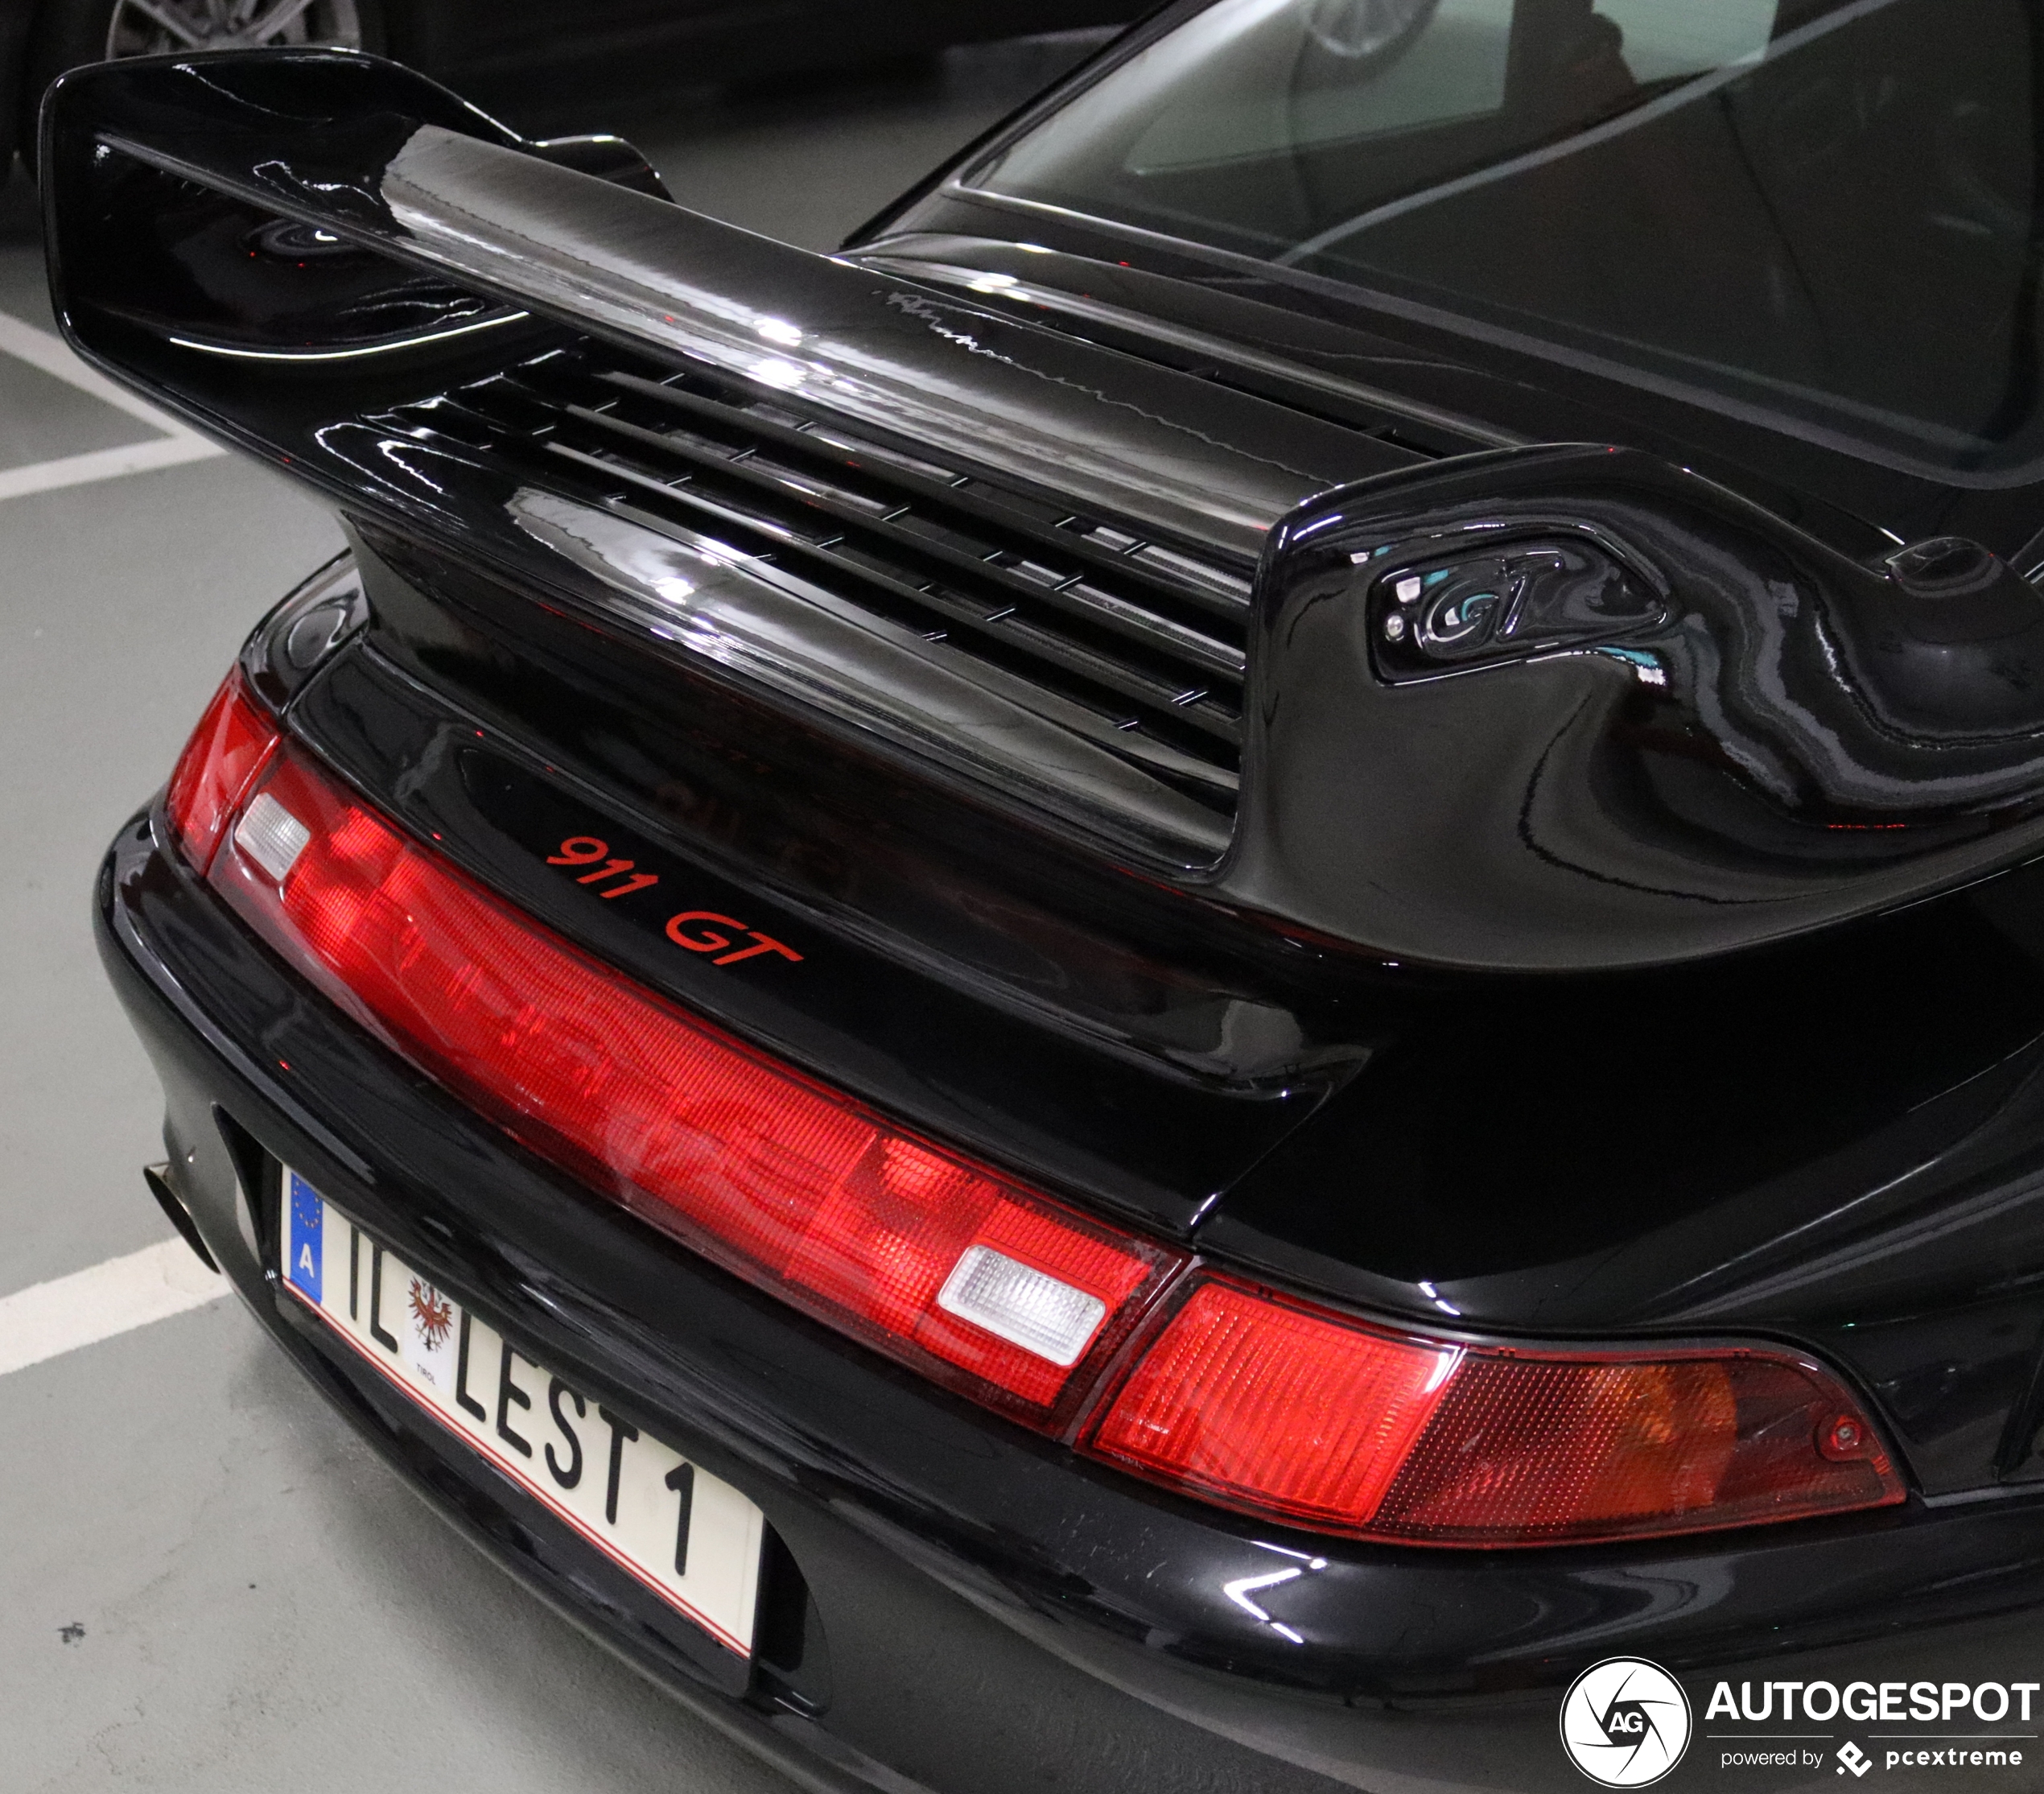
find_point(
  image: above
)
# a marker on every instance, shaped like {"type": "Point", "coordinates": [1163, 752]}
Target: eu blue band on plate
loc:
{"type": "Point", "coordinates": [308, 1213]}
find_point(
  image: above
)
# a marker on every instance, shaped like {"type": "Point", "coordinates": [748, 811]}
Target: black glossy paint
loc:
{"type": "Point", "coordinates": [1537, 996]}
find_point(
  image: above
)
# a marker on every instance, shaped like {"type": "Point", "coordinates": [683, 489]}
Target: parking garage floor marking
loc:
{"type": "Point", "coordinates": [174, 445]}
{"type": "Point", "coordinates": [48, 1319]}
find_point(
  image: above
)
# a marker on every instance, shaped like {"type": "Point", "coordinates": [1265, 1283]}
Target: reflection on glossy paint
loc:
{"type": "Point", "coordinates": [1681, 724]}
{"type": "Point", "coordinates": [1241, 1590]}
{"type": "Point", "coordinates": [775, 372]}
{"type": "Point", "coordinates": [354, 352]}
{"type": "Point", "coordinates": [1446, 1307]}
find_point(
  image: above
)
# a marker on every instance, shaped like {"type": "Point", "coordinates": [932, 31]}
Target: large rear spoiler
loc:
{"type": "Point", "coordinates": [1553, 708]}
{"type": "Point", "coordinates": [379, 157]}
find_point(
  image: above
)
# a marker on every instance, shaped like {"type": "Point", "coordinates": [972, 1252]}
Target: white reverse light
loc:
{"type": "Point", "coordinates": [1022, 1305]}
{"type": "Point", "coordinates": [271, 836]}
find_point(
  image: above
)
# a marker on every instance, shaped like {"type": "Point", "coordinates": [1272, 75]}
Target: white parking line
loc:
{"type": "Point", "coordinates": [48, 1319]}
{"type": "Point", "coordinates": [102, 464]}
{"type": "Point", "coordinates": [175, 444]}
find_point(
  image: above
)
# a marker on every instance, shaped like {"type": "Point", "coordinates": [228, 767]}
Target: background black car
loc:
{"type": "Point", "coordinates": [525, 56]}
{"type": "Point", "coordinates": [1427, 852]}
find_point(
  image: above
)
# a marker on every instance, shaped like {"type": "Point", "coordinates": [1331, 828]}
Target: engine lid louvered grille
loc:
{"type": "Point", "coordinates": [1147, 639]}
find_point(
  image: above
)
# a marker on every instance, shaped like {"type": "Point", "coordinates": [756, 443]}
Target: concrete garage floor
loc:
{"type": "Point", "coordinates": [206, 1583]}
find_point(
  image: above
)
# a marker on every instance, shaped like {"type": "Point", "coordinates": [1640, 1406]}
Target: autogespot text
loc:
{"type": "Point", "coordinates": [1989, 1702]}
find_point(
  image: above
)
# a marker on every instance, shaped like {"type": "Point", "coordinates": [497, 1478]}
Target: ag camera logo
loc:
{"type": "Point", "coordinates": [1624, 1722]}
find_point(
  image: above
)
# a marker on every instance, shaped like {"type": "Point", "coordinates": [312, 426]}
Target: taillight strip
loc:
{"type": "Point", "coordinates": [989, 1287]}
{"type": "Point", "coordinates": [1194, 1379]}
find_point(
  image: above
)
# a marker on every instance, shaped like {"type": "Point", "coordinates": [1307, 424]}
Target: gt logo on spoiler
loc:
{"type": "Point", "coordinates": [697, 930]}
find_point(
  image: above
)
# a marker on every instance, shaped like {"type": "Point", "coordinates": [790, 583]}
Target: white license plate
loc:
{"type": "Point", "coordinates": [691, 1538]}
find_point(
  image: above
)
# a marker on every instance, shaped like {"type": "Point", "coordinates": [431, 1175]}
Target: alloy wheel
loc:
{"type": "Point", "coordinates": [149, 28]}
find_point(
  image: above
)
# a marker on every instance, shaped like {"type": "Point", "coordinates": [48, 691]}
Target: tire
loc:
{"type": "Point", "coordinates": [68, 32]}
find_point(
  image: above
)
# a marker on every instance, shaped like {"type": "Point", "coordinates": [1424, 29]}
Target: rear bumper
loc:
{"type": "Point", "coordinates": [961, 1603]}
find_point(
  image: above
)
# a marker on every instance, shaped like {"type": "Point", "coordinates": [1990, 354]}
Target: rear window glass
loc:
{"type": "Point", "coordinates": [1826, 211]}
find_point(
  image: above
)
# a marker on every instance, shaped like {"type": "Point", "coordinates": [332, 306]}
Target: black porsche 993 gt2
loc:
{"type": "Point", "coordinates": [1226, 972]}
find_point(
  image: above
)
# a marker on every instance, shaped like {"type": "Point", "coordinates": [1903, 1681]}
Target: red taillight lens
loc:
{"type": "Point", "coordinates": [938, 1261]}
{"type": "Point", "coordinates": [233, 740]}
{"type": "Point", "coordinates": [1280, 1408]}
{"type": "Point", "coordinates": [1262, 1403]}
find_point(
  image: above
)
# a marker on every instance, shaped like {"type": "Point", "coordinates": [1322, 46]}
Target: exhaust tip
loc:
{"type": "Point", "coordinates": [156, 1177]}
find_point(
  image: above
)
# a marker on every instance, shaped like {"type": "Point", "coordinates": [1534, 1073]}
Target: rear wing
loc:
{"type": "Point", "coordinates": [1556, 709]}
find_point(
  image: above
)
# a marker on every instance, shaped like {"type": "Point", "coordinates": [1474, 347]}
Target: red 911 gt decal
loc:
{"type": "Point", "coordinates": [697, 930]}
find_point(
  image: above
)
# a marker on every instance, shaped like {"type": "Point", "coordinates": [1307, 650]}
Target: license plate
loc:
{"type": "Point", "coordinates": [691, 1538]}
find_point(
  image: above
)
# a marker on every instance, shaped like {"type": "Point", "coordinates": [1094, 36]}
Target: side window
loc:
{"type": "Point", "coordinates": [1451, 66]}
{"type": "Point", "coordinates": [1286, 76]}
